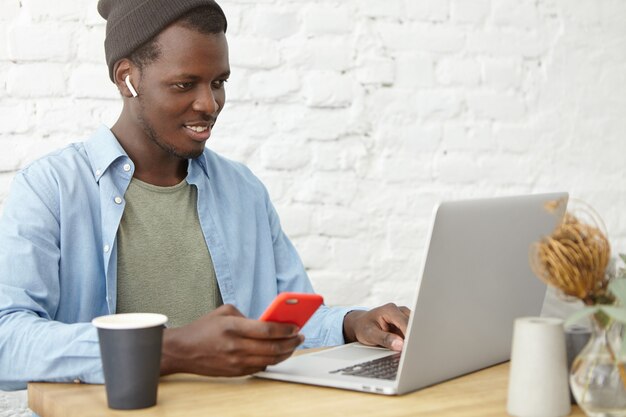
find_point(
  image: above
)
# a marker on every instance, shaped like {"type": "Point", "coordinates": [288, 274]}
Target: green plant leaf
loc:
{"type": "Point", "coordinates": [616, 313]}
{"type": "Point", "coordinates": [623, 257]}
{"type": "Point", "coordinates": [580, 314]}
{"type": "Point", "coordinates": [618, 288]}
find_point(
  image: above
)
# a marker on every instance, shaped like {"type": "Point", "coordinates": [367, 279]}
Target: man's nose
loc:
{"type": "Point", "coordinates": [205, 101]}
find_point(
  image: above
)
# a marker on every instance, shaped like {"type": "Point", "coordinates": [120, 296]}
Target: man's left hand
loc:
{"type": "Point", "coordinates": [383, 326]}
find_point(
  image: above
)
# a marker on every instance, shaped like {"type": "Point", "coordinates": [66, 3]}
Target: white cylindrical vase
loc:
{"type": "Point", "coordinates": [538, 378]}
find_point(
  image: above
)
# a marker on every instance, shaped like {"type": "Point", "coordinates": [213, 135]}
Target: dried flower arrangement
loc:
{"type": "Point", "coordinates": [575, 259]}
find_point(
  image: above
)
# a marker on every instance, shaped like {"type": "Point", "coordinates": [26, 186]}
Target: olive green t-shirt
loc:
{"type": "Point", "coordinates": [163, 263]}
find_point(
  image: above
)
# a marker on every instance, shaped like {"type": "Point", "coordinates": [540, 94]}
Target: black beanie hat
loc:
{"type": "Point", "coordinates": [131, 23]}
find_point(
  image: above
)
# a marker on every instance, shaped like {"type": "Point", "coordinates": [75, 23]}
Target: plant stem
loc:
{"type": "Point", "coordinates": [605, 322]}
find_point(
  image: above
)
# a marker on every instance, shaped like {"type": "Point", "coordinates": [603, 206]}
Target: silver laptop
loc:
{"type": "Point", "coordinates": [475, 281]}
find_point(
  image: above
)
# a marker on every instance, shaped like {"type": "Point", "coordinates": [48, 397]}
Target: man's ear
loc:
{"type": "Point", "coordinates": [123, 72]}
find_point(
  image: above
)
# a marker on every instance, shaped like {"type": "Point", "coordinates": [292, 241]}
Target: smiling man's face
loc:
{"type": "Point", "coordinates": [182, 92]}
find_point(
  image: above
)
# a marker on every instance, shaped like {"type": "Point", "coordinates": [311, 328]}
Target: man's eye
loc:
{"type": "Point", "coordinates": [184, 86]}
{"type": "Point", "coordinates": [219, 83]}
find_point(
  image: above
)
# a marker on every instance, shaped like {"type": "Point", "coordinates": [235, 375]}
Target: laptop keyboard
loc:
{"type": "Point", "coordinates": [382, 368]}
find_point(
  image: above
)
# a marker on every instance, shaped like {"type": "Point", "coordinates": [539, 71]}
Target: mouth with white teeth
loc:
{"type": "Point", "coordinates": [198, 129]}
{"type": "Point", "coordinates": [199, 132]}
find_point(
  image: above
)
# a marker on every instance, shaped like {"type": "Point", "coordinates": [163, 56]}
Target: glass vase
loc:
{"type": "Point", "coordinates": [598, 374]}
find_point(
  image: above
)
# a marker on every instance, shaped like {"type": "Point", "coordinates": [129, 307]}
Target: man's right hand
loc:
{"type": "Point", "coordinates": [225, 343]}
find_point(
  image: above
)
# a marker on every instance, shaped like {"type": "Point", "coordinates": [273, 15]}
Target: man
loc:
{"type": "Point", "coordinates": [141, 217]}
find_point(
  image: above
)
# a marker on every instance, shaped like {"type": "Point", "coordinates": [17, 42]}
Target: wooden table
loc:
{"type": "Point", "coordinates": [481, 394]}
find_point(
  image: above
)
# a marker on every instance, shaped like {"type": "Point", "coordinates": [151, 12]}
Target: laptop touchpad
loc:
{"type": "Point", "coordinates": [354, 353]}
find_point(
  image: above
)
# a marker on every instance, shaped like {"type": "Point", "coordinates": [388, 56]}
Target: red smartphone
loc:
{"type": "Point", "coordinates": [292, 307]}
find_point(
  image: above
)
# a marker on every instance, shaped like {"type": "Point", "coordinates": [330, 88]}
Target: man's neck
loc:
{"type": "Point", "coordinates": [152, 164]}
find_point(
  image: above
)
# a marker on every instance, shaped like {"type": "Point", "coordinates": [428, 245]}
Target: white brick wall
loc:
{"type": "Point", "coordinates": [359, 115]}
{"type": "Point", "coordinates": [348, 109]}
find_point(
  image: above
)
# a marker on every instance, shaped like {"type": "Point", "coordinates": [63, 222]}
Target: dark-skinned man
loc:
{"type": "Point", "coordinates": [143, 217]}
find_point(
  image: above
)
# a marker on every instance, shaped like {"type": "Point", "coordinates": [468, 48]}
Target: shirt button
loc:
{"type": "Point", "coordinates": [126, 167]}
{"type": "Point", "coordinates": [118, 200]}
{"type": "Point", "coordinates": [106, 248]}
{"type": "Point", "coordinates": [98, 172]}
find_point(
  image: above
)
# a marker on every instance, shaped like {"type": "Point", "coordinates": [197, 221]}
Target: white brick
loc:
{"type": "Point", "coordinates": [4, 43]}
{"type": "Point", "coordinates": [273, 83]}
{"type": "Point", "coordinates": [15, 117]}
{"type": "Point", "coordinates": [508, 170]}
{"type": "Point", "coordinates": [429, 10]}
{"type": "Point", "coordinates": [455, 71]}
{"type": "Point", "coordinates": [91, 46]}
{"type": "Point", "coordinates": [521, 14]}
{"type": "Point", "coordinates": [253, 53]}
{"type": "Point", "coordinates": [502, 74]}
{"type": "Point", "coordinates": [327, 188]}
{"type": "Point", "coordinates": [4, 70]}
{"type": "Point", "coordinates": [92, 81]}
{"type": "Point", "coordinates": [421, 37]}
{"type": "Point", "coordinates": [376, 71]}
{"type": "Point", "coordinates": [92, 17]}
{"type": "Point", "coordinates": [341, 155]}
{"type": "Point", "coordinates": [470, 11]}
{"type": "Point", "coordinates": [15, 403]}
{"type": "Point", "coordinates": [233, 14]}
{"type": "Point", "coordinates": [60, 10]}
{"type": "Point", "coordinates": [494, 106]}
{"type": "Point", "coordinates": [506, 43]}
{"type": "Point", "coordinates": [390, 289]}
{"type": "Point", "coordinates": [40, 42]}
{"type": "Point", "coordinates": [415, 70]}
{"type": "Point", "coordinates": [241, 122]}
{"type": "Point", "coordinates": [455, 168]}
{"type": "Point", "coordinates": [377, 8]}
{"type": "Point", "coordinates": [36, 80]}
{"type": "Point", "coordinates": [315, 251]}
{"type": "Point", "coordinates": [53, 116]}
{"type": "Point", "coordinates": [284, 156]}
{"type": "Point", "coordinates": [5, 185]}
{"type": "Point", "coordinates": [414, 138]}
{"type": "Point", "coordinates": [338, 222]}
{"type": "Point", "coordinates": [404, 168]}
{"type": "Point", "coordinates": [389, 105]}
{"type": "Point", "coordinates": [106, 111]}
{"type": "Point", "coordinates": [327, 89]}
{"type": "Point", "coordinates": [21, 152]}
{"type": "Point", "coordinates": [277, 184]}
{"type": "Point", "coordinates": [351, 254]}
{"type": "Point", "coordinates": [247, 3]}
{"type": "Point", "coordinates": [272, 24]}
{"type": "Point", "coordinates": [460, 136]}
{"type": "Point", "coordinates": [363, 178]}
{"type": "Point", "coordinates": [10, 9]}
{"type": "Point", "coordinates": [237, 87]}
{"type": "Point", "coordinates": [516, 139]}
{"type": "Point", "coordinates": [584, 12]}
{"type": "Point", "coordinates": [296, 219]}
{"type": "Point", "coordinates": [332, 19]}
{"type": "Point", "coordinates": [314, 54]}
{"type": "Point", "coordinates": [405, 233]}
{"type": "Point", "coordinates": [316, 123]}
{"type": "Point", "coordinates": [437, 104]}
{"type": "Point", "coordinates": [340, 288]}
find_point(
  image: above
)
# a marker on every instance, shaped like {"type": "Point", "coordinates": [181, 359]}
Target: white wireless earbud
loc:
{"type": "Point", "coordinates": [130, 86]}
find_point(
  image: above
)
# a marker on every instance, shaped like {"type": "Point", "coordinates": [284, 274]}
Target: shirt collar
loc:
{"type": "Point", "coordinates": [103, 149]}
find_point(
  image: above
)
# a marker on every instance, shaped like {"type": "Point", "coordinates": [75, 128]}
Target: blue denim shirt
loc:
{"type": "Point", "coordinates": [58, 256]}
